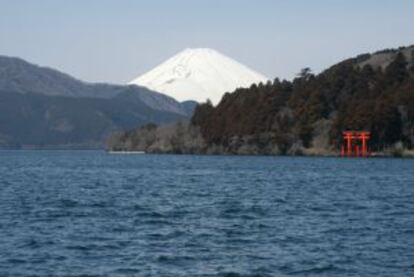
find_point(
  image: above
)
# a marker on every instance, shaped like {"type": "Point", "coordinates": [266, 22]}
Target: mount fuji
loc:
{"type": "Point", "coordinates": [199, 74]}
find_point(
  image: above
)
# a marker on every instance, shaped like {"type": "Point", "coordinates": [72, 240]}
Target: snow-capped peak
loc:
{"type": "Point", "coordinates": [199, 74]}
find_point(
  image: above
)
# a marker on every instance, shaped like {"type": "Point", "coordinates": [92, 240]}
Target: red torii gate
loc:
{"type": "Point", "coordinates": [349, 137]}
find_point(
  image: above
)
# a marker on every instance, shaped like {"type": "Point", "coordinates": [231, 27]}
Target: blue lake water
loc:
{"type": "Point", "coordinates": [88, 213]}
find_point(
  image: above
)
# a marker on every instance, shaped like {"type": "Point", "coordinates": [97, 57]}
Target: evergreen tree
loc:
{"type": "Point", "coordinates": [396, 71]}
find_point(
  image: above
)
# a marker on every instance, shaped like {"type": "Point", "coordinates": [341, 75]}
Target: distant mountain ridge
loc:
{"type": "Point", "coordinates": [20, 76]}
{"type": "Point", "coordinates": [42, 106]}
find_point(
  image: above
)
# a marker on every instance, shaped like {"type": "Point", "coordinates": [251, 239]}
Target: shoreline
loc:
{"type": "Point", "coordinates": [407, 154]}
{"type": "Point", "coordinates": [377, 155]}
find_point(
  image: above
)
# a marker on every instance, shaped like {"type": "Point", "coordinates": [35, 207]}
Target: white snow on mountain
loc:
{"type": "Point", "coordinates": [199, 74]}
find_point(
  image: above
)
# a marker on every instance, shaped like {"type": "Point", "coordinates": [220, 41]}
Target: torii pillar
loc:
{"type": "Point", "coordinates": [348, 137]}
{"type": "Point", "coordinates": [364, 137]}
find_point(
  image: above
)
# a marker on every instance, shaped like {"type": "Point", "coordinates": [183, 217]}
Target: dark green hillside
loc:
{"type": "Point", "coordinates": [42, 107]}
{"type": "Point", "coordinates": [371, 92]}
{"type": "Point", "coordinates": [43, 121]}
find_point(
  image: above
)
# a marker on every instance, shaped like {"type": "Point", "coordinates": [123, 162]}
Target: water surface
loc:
{"type": "Point", "coordinates": [86, 213]}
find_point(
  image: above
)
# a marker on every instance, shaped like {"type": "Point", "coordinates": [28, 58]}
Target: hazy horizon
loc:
{"type": "Point", "coordinates": [116, 41]}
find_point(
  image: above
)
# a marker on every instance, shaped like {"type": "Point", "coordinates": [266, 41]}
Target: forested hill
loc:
{"type": "Point", "coordinates": [372, 92]}
{"type": "Point", "coordinates": [43, 108]}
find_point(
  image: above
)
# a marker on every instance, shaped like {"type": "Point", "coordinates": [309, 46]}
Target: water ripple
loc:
{"type": "Point", "coordinates": [66, 213]}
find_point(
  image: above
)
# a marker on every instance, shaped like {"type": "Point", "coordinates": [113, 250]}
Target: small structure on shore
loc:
{"type": "Point", "coordinates": [355, 144]}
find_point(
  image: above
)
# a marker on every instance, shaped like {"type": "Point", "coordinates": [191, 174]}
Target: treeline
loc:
{"type": "Point", "coordinates": [309, 114]}
{"type": "Point", "coordinates": [306, 115]}
{"type": "Point", "coordinates": [179, 138]}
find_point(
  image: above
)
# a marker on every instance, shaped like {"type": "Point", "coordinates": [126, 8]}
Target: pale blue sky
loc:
{"type": "Point", "coordinates": [117, 40]}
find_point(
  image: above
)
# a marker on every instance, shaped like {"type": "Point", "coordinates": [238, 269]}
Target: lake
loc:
{"type": "Point", "coordinates": [89, 213]}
